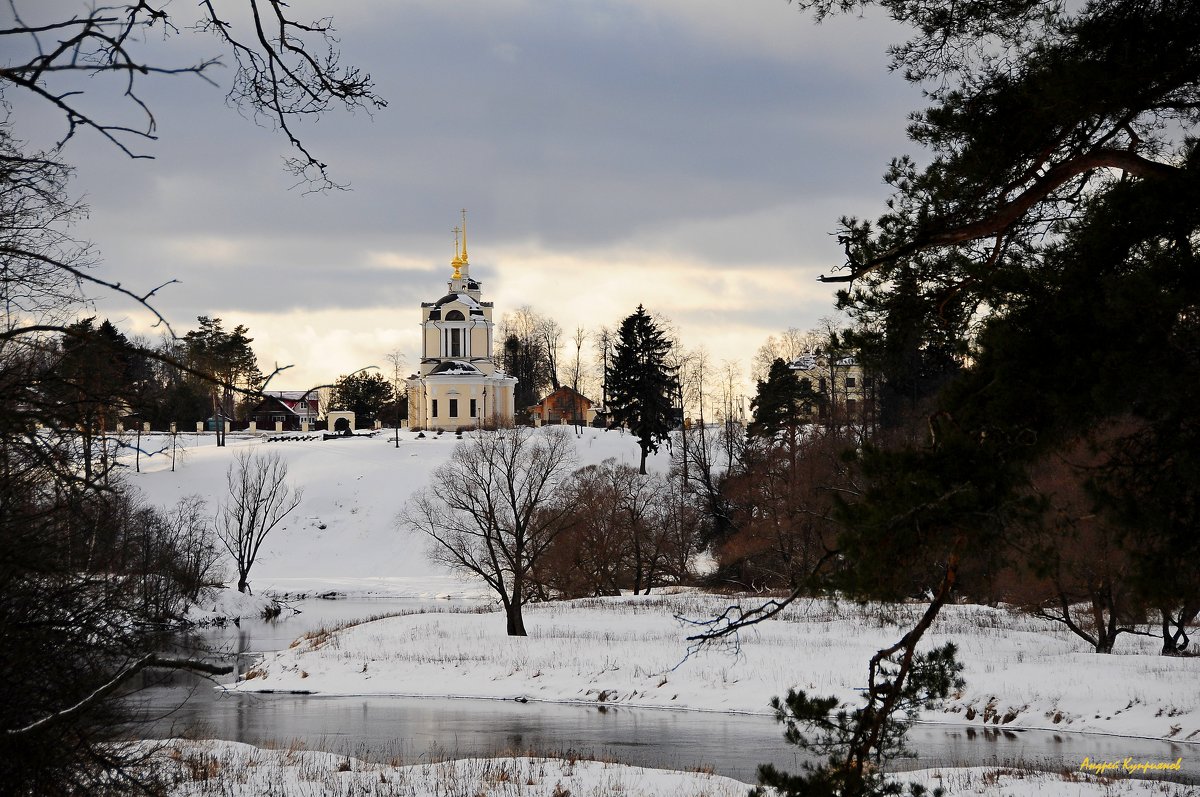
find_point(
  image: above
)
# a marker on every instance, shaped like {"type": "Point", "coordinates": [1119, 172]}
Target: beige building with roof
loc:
{"type": "Point", "coordinates": [848, 392]}
{"type": "Point", "coordinates": [458, 385]}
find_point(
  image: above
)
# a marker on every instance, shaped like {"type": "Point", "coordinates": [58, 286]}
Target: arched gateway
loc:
{"type": "Point", "coordinates": [341, 421]}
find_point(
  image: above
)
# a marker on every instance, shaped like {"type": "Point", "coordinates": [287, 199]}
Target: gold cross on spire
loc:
{"type": "Point", "coordinates": [464, 236]}
{"type": "Point", "coordinates": [458, 260]}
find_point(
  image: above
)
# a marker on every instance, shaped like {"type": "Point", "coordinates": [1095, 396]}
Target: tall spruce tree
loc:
{"type": "Point", "coordinates": [641, 383]}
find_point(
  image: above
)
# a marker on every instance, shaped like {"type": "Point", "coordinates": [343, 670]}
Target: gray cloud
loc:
{"type": "Point", "coordinates": [697, 129]}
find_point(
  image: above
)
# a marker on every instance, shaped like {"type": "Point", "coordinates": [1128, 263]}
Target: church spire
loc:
{"type": "Point", "coordinates": [464, 237]}
{"type": "Point", "coordinates": [458, 260]}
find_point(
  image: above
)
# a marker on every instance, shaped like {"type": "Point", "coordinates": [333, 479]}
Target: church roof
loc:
{"type": "Point", "coordinates": [474, 307]}
{"type": "Point", "coordinates": [808, 362]}
{"type": "Point", "coordinates": [463, 298]}
{"type": "Point", "coordinates": [292, 395]}
{"type": "Point", "coordinates": [456, 368]}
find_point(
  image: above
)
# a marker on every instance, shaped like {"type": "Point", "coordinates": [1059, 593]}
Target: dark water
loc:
{"type": "Point", "coordinates": [412, 729]}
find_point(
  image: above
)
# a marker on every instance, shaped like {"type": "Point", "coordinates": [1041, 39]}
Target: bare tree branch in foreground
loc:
{"type": "Point", "coordinates": [285, 69]}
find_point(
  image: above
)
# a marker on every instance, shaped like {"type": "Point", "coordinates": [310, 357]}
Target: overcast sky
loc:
{"type": "Point", "coordinates": [690, 155]}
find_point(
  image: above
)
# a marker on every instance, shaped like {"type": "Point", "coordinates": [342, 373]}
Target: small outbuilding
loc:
{"type": "Point", "coordinates": [292, 408]}
{"type": "Point", "coordinates": [565, 405]}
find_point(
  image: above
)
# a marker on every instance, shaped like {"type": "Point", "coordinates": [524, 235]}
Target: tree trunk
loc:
{"type": "Point", "coordinates": [512, 607]}
{"type": "Point", "coordinates": [683, 482]}
{"type": "Point", "coordinates": [516, 623]}
{"type": "Point", "coordinates": [1174, 633]}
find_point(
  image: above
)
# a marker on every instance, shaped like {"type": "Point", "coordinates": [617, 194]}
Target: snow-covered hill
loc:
{"type": "Point", "coordinates": [343, 536]}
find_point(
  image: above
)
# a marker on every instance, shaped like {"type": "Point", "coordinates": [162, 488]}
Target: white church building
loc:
{"type": "Point", "coordinates": [458, 386]}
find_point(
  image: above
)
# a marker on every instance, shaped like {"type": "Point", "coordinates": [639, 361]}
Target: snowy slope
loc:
{"type": "Point", "coordinates": [343, 536]}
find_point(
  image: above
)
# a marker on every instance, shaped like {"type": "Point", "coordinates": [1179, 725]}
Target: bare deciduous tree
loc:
{"type": "Point", "coordinates": [605, 339]}
{"type": "Point", "coordinates": [1080, 568]}
{"type": "Point", "coordinates": [781, 500]}
{"type": "Point", "coordinates": [521, 351]}
{"type": "Point", "coordinates": [198, 562]}
{"type": "Point", "coordinates": [551, 334]}
{"type": "Point", "coordinates": [492, 511]}
{"type": "Point", "coordinates": [624, 531]}
{"type": "Point", "coordinates": [259, 499]}
{"type": "Point", "coordinates": [700, 447]}
{"type": "Point", "coordinates": [576, 368]}
{"type": "Point", "coordinates": [286, 70]}
{"type": "Point", "coordinates": [790, 344]}
{"type": "Point", "coordinates": [396, 358]}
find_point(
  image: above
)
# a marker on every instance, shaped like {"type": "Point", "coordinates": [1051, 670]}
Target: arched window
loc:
{"type": "Point", "coordinates": [454, 340]}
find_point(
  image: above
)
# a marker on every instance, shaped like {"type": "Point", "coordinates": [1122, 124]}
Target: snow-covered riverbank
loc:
{"type": "Point", "coordinates": [1020, 672]}
{"type": "Point", "coordinates": [230, 769]}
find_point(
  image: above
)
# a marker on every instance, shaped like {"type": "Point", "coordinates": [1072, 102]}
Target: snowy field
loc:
{"type": "Point", "coordinates": [237, 770]}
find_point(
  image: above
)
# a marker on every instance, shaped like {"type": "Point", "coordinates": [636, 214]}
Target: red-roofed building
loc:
{"type": "Point", "coordinates": [291, 407]}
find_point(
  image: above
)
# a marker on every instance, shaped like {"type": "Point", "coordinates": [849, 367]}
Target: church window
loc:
{"type": "Point", "coordinates": [456, 343]}
{"type": "Point", "coordinates": [851, 381]}
{"type": "Point", "coordinates": [453, 408]}
{"type": "Point", "coordinates": [473, 413]}
{"type": "Point", "coordinates": [455, 315]}
{"type": "Point", "coordinates": [434, 413]}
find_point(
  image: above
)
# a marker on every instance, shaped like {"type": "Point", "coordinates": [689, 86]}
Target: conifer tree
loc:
{"type": "Point", "coordinates": [641, 384]}
{"type": "Point", "coordinates": [780, 402]}
{"type": "Point", "coordinates": [228, 357]}
{"type": "Point", "coordinates": [365, 394]}
{"type": "Point", "coordinates": [1032, 289]}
